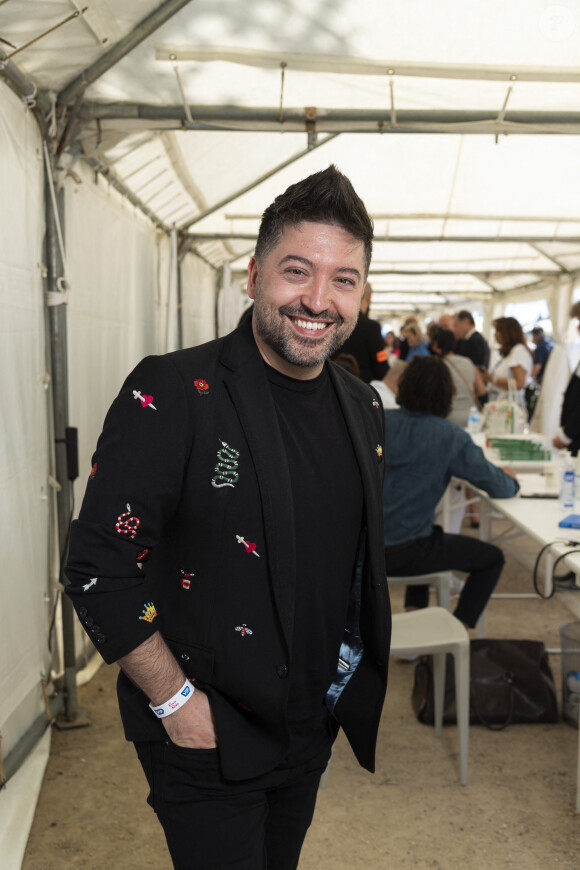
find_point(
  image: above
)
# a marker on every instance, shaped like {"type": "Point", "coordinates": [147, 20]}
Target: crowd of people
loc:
{"type": "Point", "coordinates": [433, 382]}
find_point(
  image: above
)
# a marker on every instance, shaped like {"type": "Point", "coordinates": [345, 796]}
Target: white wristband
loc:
{"type": "Point", "coordinates": [178, 700]}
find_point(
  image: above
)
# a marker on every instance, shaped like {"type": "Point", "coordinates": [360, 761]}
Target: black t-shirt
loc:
{"type": "Point", "coordinates": [328, 503]}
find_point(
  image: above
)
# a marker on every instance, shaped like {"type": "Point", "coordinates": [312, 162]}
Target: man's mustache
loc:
{"type": "Point", "coordinates": [304, 311]}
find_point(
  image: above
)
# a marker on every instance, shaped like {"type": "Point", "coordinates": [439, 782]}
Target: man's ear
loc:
{"type": "Point", "coordinates": [252, 278]}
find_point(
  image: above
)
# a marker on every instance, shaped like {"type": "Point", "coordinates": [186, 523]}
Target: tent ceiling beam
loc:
{"type": "Point", "coordinates": [486, 275]}
{"type": "Point", "coordinates": [118, 51]}
{"type": "Point", "coordinates": [23, 87]}
{"type": "Point", "coordinates": [409, 239]}
{"type": "Point", "coordinates": [256, 182]}
{"type": "Point", "coordinates": [326, 63]}
{"type": "Point", "coordinates": [115, 182]}
{"type": "Point", "coordinates": [451, 216]}
{"type": "Point", "coordinates": [561, 266]}
{"type": "Point", "coordinates": [265, 119]}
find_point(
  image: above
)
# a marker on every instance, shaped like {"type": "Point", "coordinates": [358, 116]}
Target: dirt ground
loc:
{"type": "Point", "coordinates": [516, 811]}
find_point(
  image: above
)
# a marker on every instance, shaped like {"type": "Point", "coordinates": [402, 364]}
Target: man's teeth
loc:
{"type": "Point", "coordinates": [310, 324]}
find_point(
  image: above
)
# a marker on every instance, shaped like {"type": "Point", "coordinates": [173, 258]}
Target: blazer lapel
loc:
{"type": "Point", "coordinates": [247, 383]}
{"type": "Point", "coordinates": [362, 434]}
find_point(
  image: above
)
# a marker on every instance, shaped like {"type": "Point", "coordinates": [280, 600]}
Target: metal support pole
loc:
{"type": "Point", "coordinates": [59, 372]}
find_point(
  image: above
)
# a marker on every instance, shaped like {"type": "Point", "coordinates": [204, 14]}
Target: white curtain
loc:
{"type": "Point", "coordinates": [232, 302]}
{"type": "Point", "coordinates": [25, 496]}
{"type": "Point", "coordinates": [198, 301]}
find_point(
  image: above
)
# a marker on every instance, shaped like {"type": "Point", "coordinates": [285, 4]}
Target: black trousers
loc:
{"type": "Point", "coordinates": [442, 552]}
{"type": "Point", "coordinates": [215, 824]}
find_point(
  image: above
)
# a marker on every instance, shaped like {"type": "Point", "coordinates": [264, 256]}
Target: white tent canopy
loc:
{"type": "Point", "coordinates": [215, 98]}
{"type": "Point", "coordinates": [457, 124]}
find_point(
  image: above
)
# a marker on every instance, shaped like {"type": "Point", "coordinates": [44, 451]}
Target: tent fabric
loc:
{"type": "Point", "coordinates": [196, 114]}
{"type": "Point", "coordinates": [25, 495]}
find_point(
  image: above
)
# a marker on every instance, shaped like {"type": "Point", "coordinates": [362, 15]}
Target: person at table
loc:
{"type": "Point", "coordinates": [515, 363]}
{"type": "Point", "coordinates": [423, 450]}
{"type": "Point", "coordinates": [416, 340]}
{"type": "Point", "coordinates": [388, 387]}
{"type": "Point", "coordinates": [568, 435]}
{"type": "Point", "coordinates": [467, 381]}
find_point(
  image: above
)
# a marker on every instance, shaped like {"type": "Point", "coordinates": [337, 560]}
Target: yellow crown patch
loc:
{"type": "Point", "coordinates": [379, 450]}
{"type": "Point", "coordinates": [149, 612]}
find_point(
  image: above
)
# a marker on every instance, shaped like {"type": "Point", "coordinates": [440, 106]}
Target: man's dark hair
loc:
{"type": "Point", "coordinates": [444, 339]}
{"type": "Point", "coordinates": [326, 197]}
{"type": "Point", "coordinates": [427, 386]}
{"type": "Point", "coordinates": [465, 315]}
{"type": "Point", "coordinates": [537, 330]}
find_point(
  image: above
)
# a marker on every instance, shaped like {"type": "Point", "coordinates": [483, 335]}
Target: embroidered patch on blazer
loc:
{"type": "Point", "coordinates": [226, 470]}
{"type": "Point", "coordinates": [149, 613]}
{"type": "Point", "coordinates": [243, 629]}
{"type": "Point", "coordinates": [127, 526]}
{"type": "Point", "coordinates": [248, 545]}
{"type": "Point", "coordinates": [92, 582]}
{"type": "Point", "coordinates": [375, 404]}
{"type": "Point", "coordinates": [186, 577]}
{"type": "Point", "coordinates": [201, 386]}
{"type": "Point", "coordinates": [143, 555]}
{"type": "Point", "coordinates": [146, 401]}
{"type": "Point", "coordinates": [93, 471]}
{"type": "Point", "coordinates": [379, 450]}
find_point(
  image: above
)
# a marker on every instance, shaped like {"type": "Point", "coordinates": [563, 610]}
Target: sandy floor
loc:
{"type": "Point", "coordinates": [515, 812]}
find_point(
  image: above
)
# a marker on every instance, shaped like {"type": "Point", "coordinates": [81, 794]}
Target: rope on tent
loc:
{"type": "Point", "coordinates": [283, 66]}
{"type": "Point", "coordinates": [186, 108]}
{"type": "Point", "coordinates": [2, 771]}
{"type": "Point", "coordinates": [46, 32]}
{"type": "Point", "coordinates": [59, 296]}
{"type": "Point", "coordinates": [44, 687]}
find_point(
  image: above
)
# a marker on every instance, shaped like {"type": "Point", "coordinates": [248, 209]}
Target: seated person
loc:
{"type": "Point", "coordinates": [423, 451]}
{"type": "Point", "coordinates": [467, 381]}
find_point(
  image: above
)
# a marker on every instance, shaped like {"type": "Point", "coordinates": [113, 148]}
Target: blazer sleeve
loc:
{"type": "Point", "coordinates": [132, 492]}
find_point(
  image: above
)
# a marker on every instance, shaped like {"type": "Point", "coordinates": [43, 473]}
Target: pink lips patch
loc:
{"type": "Point", "coordinates": [250, 547]}
{"type": "Point", "coordinates": [146, 400]}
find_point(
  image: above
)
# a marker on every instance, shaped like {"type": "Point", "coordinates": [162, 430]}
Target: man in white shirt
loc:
{"type": "Point", "coordinates": [389, 386]}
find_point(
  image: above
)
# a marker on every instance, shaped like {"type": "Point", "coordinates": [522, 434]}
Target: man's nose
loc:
{"type": "Point", "coordinates": [316, 295]}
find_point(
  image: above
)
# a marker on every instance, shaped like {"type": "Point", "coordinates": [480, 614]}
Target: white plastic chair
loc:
{"type": "Point", "coordinates": [434, 631]}
{"type": "Point", "coordinates": [440, 580]}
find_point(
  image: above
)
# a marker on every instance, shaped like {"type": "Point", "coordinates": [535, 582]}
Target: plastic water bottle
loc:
{"type": "Point", "coordinates": [473, 420]}
{"type": "Point", "coordinates": [572, 696]}
{"type": "Point", "coordinates": [567, 485]}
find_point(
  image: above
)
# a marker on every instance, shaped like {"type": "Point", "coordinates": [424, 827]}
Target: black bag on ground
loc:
{"type": "Point", "coordinates": [510, 681]}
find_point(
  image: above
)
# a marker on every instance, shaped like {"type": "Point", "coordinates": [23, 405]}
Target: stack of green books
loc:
{"type": "Point", "coordinates": [519, 448]}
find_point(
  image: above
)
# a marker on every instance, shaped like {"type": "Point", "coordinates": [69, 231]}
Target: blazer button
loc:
{"type": "Point", "coordinates": [101, 638]}
{"type": "Point", "coordinates": [282, 671]}
{"type": "Point", "coordinates": [83, 612]}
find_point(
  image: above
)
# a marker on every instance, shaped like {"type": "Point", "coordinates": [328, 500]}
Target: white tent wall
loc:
{"type": "Point", "coordinates": [198, 301]}
{"type": "Point", "coordinates": [114, 311]}
{"type": "Point", "coordinates": [24, 454]}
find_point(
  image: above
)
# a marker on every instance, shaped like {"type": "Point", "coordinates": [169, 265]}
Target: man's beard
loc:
{"type": "Point", "coordinates": [273, 328]}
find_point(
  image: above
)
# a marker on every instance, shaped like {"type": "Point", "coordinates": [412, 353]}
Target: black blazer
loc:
{"type": "Point", "coordinates": [183, 470]}
{"type": "Point", "coordinates": [475, 348]}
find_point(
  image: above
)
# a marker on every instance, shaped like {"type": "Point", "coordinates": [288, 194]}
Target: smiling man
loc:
{"type": "Point", "coordinates": [240, 583]}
